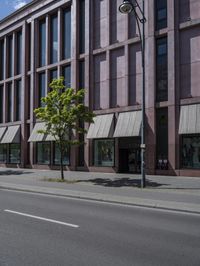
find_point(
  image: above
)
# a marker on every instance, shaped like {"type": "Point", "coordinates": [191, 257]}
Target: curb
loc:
{"type": "Point", "coordinates": [180, 207]}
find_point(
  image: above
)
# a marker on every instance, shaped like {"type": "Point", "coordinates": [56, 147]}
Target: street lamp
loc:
{"type": "Point", "coordinates": [125, 8]}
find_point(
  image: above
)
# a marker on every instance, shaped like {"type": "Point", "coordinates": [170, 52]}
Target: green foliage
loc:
{"type": "Point", "coordinates": [62, 111]}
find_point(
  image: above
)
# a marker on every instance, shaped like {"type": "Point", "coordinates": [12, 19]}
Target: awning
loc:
{"type": "Point", "coordinates": [2, 131]}
{"type": "Point", "coordinates": [12, 135]}
{"type": "Point", "coordinates": [190, 119]}
{"type": "Point", "coordinates": [103, 127]}
{"type": "Point", "coordinates": [36, 137]}
{"type": "Point", "coordinates": [128, 124]}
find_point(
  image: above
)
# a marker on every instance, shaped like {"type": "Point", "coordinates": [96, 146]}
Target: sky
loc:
{"type": "Point", "coordinates": [9, 6]}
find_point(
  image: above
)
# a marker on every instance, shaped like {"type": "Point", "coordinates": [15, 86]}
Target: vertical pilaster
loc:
{"type": "Point", "coordinates": [74, 68]}
{"type": "Point", "coordinates": [5, 75]}
{"type": "Point", "coordinates": [172, 127]}
{"type": "Point", "coordinates": [150, 90]}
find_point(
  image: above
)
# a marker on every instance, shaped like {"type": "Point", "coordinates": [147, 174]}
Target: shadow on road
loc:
{"type": "Point", "coordinates": [14, 172]}
{"type": "Point", "coordinates": [122, 182]}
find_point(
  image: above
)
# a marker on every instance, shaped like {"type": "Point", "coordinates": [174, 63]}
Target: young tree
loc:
{"type": "Point", "coordinates": [62, 110]}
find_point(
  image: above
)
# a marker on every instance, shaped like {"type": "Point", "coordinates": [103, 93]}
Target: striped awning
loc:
{"type": "Point", "coordinates": [2, 132]}
{"type": "Point", "coordinates": [37, 137]}
{"type": "Point", "coordinates": [103, 127]}
{"type": "Point", "coordinates": [128, 124]}
{"type": "Point", "coordinates": [189, 119]}
{"type": "Point", "coordinates": [12, 135]}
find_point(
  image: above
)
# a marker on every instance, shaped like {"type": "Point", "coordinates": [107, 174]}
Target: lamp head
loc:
{"type": "Point", "coordinates": [126, 7]}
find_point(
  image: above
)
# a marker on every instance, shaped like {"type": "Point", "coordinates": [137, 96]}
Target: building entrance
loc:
{"type": "Point", "coordinates": [129, 155]}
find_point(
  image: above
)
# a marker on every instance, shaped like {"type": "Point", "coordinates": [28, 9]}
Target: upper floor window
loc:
{"type": "Point", "coordinates": [1, 59]}
{"type": "Point", "coordinates": [161, 70]}
{"type": "Point", "coordinates": [42, 86]}
{"type": "Point", "coordinates": [10, 56]}
{"type": "Point", "coordinates": [1, 104]}
{"type": "Point", "coordinates": [42, 43]}
{"type": "Point", "coordinates": [9, 102]}
{"type": "Point", "coordinates": [66, 34]}
{"type": "Point", "coordinates": [18, 100]}
{"type": "Point", "coordinates": [67, 76]}
{"type": "Point", "coordinates": [53, 74]}
{"type": "Point", "coordinates": [54, 39]}
{"type": "Point", "coordinates": [161, 14]}
{"type": "Point", "coordinates": [82, 26]}
{"type": "Point", "coordinates": [19, 52]}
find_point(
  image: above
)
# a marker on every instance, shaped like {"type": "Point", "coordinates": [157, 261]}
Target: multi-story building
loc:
{"type": "Point", "coordinates": [94, 46]}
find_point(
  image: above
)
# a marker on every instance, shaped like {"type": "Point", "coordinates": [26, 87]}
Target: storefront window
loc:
{"type": "Point", "coordinates": [43, 153]}
{"type": "Point", "coordinates": [3, 151]}
{"type": "Point", "coordinates": [191, 152]}
{"type": "Point", "coordinates": [14, 153]}
{"type": "Point", "coordinates": [104, 152]}
{"type": "Point", "coordinates": [57, 156]}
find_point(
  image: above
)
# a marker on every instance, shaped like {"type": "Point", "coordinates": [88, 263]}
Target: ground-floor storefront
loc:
{"type": "Point", "coordinates": [112, 144]}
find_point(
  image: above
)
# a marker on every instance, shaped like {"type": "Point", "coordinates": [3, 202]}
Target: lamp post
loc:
{"type": "Point", "coordinates": [125, 8]}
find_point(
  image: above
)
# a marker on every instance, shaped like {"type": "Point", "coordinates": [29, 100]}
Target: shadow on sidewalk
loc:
{"type": "Point", "coordinates": [14, 172]}
{"type": "Point", "coordinates": [122, 182]}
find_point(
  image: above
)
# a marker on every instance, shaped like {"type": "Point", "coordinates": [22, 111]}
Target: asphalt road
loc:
{"type": "Point", "coordinates": [46, 230]}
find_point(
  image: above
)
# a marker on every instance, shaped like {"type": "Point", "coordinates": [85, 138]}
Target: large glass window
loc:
{"type": "Point", "coordinates": [67, 76]}
{"type": "Point", "coordinates": [162, 138]}
{"type": "Point", "coordinates": [42, 85]}
{"type": "Point", "coordinates": [161, 14]}
{"type": "Point", "coordinates": [10, 56]}
{"type": "Point", "coordinates": [42, 43]}
{"type": "Point", "coordinates": [43, 153]}
{"type": "Point", "coordinates": [9, 102]}
{"type": "Point", "coordinates": [104, 152]}
{"type": "Point", "coordinates": [1, 59]}
{"type": "Point", "coordinates": [19, 52]}
{"type": "Point", "coordinates": [66, 34]}
{"type": "Point", "coordinates": [1, 104]}
{"type": "Point", "coordinates": [14, 153]}
{"type": "Point", "coordinates": [3, 153]}
{"type": "Point", "coordinates": [57, 156]}
{"type": "Point", "coordinates": [82, 27]}
{"type": "Point", "coordinates": [18, 100]}
{"type": "Point", "coordinates": [54, 39]}
{"type": "Point", "coordinates": [161, 70]}
{"type": "Point", "coordinates": [191, 152]}
{"type": "Point", "coordinates": [53, 74]}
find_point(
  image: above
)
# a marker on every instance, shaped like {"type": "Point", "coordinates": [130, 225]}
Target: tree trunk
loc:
{"type": "Point", "coordinates": [61, 164]}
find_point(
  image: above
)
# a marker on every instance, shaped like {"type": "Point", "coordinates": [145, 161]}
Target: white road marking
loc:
{"type": "Point", "coordinates": [42, 218]}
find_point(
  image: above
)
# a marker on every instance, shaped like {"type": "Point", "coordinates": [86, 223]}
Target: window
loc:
{"type": "Point", "coordinates": [42, 43]}
{"type": "Point", "coordinates": [53, 74]}
{"type": "Point", "coordinates": [82, 27]}
{"type": "Point", "coordinates": [161, 70]}
{"type": "Point", "coordinates": [19, 52]}
{"type": "Point", "coordinates": [18, 100]}
{"type": "Point", "coordinates": [161, 14]}
{"type": "Point", "coordinates": [104, 152]}
{"type": "Point", "coordinates": [9, 102]}
{"type": "Point", "coordinates": [54, 39]}
{"type": "Point", "coordinates": [57, 156]}
{"type": "Point", "coordinates": [10, 56]}
{"type": "Point", "coordinates": [3, 153]}
{"type": "Point", "coordinates": [66, 34]}
{"type": "Point", "coordinates": [162, 138]}
{"type": "Point", "coordinates": [190, 152]}
{"type": "Point", "coordinates": [14, 153]}
{"type": "Point", "coordinates": [43, 153]}
{"type": "Point", "coordinates": [67, 76]}
{"type": "Point", "coordinates": [1, 59]}
{"type": "Point", "coordinates": [42, 85]}
{"type": "Point", "coordinates": [1, 104]}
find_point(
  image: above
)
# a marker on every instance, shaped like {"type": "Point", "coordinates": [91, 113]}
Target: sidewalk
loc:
{"type": "Point", "coordinates": [173, 193]}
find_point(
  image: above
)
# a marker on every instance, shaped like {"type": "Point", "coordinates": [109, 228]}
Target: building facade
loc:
{"type": "Point", "coordinates": [95, 47]}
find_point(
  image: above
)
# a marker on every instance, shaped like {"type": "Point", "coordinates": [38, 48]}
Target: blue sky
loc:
{"type": "Point", "coordinates": [9, 6]}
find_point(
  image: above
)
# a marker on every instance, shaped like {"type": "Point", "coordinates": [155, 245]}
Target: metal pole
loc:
{"type": "Point", "coordinates": [143, 179]}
